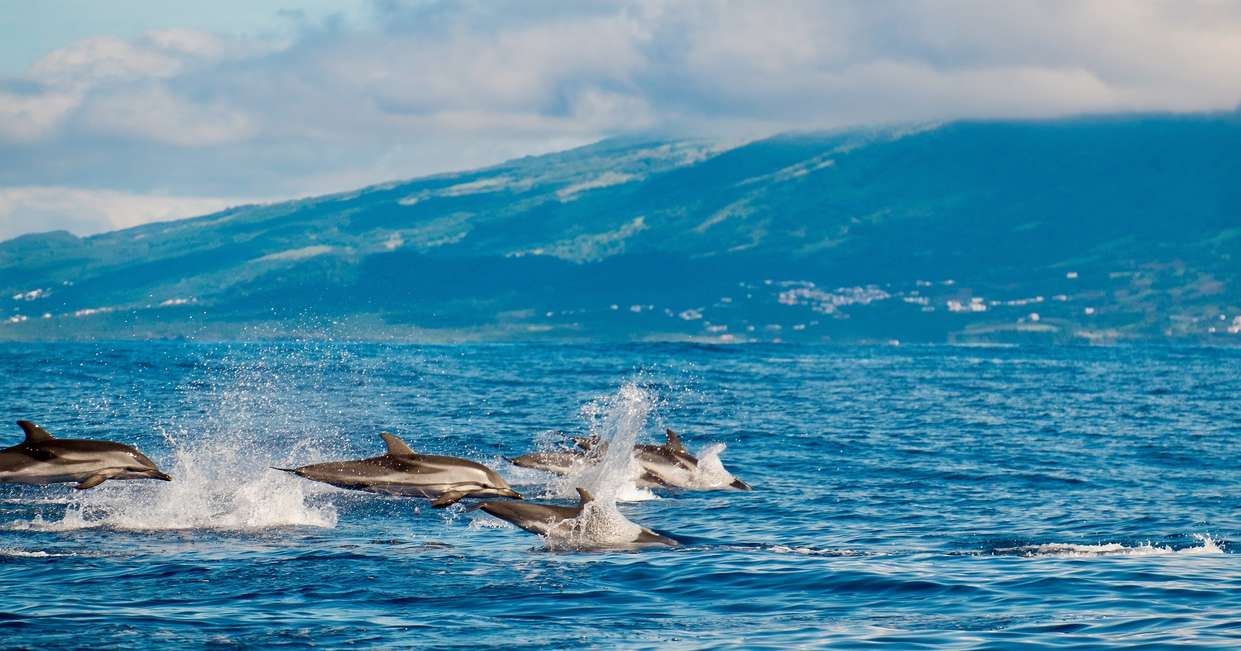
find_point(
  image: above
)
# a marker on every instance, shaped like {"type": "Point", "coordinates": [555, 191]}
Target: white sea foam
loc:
{"type": "Point", "coordinates": [23, 553]}
{"type": "Point", "coordinates": [810, 551]}
{"type": "Point", "coordinates": [1070, 550]}
{"type": "Point", "coordinates": [39, 501]}
{"type": "Point", "coordinates": [489, 523]}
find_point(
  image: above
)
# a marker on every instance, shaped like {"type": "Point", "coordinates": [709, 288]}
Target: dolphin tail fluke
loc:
{"type": "Point", "coordinates": [448, 499]}
{"type": "Point", "coordinates": [740, 485]}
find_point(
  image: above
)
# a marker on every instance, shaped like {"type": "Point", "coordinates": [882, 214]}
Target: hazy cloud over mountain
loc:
{"type": "Point", "coordinates": [109, 131]}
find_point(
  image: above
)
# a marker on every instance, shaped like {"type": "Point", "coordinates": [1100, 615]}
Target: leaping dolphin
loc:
{"type": "Point", "coordinates": [44, 459]}
{"type": "Point", "coordinates": [669, 465]}
{"type": "Point", "coordinates": [672, 465]}
{"type": "Point", "coordinates": [403, 472]}
{"type": "Point", "coordinates": [559, 462]}
{"type": "Point", "coordinates": [576, 524]}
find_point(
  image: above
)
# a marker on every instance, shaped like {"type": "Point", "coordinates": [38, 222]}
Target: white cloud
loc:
{"type": "Point", "coordinates": [615, 67]}
{"type": "Point", "coordinates": [102, 59]}
{"type": "Point", "coordinates": [27, 118]}
{"type": "Point", "coordinates": [154, 112]}
{"type": "Point", "coordinates": [430, 86]}
{"type": "Point", "coordinates": [84, 212]}
{"type": "Point", "coordinates": [131, 89]}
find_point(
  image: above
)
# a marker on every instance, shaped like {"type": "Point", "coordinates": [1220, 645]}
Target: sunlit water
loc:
{"type": "Point", "coordinates": [920, 496]}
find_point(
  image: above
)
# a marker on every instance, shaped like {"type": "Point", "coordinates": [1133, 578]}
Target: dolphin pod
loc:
{"type": "Point", "coordinates": [404, 472]}
{"type": "Point", "coordinates": [45, 459]}
{"type": "Point", "coordinates": [669, 465]}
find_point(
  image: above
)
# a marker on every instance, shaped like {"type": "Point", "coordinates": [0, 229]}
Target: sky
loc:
{"type": "Point", "coordinates": [118, 113]}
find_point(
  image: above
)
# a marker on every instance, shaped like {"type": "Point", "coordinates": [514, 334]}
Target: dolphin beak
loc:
{"type": "Point", "coordinates": [155, 474]}
{"type": "Point", "coordinates": [740, 485]}
{"type": "Point", "coordinates": [512, 493]}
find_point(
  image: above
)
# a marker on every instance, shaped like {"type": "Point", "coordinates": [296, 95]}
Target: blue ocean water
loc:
{"type": "Point", "coordinates": [925, 497]}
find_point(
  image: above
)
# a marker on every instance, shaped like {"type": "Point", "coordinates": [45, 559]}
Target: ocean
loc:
{"type": "Point", "coordinates": [918, 496]}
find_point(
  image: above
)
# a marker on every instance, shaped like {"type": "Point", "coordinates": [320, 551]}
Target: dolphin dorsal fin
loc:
{"type": "Point", "coordinates": [34, 433]}
{"type": "Point", "coordinates": [674, 442]}
{"type": "Point", "coordinates": [396, 447]}
{"type": "Point", "coordinates": [584, 496]}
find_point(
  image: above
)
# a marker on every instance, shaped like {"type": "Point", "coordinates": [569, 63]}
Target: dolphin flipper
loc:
{"type": "Point", "coordinates": [97, 478]}
{"type": "Point", "coordinates": [448, 499]}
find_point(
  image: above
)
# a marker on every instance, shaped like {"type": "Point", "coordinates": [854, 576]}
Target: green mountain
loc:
{"type": "Point", "coordinates": [1082, 230]}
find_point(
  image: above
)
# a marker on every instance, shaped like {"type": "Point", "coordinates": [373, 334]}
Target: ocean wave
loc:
{"type": "Point", "coordinates": [37, 501]}
{"type": "Point", "coordinates": [810, 551]}
{"type": "Point", "coordinates": [1073, 550]}
{"type": "Point", "coordinates": [25, 553]}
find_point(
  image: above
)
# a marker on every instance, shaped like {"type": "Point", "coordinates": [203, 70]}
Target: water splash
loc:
{"type": "Point", "coordinates": [710, 472]}
{"type": "Point", "coordinates": [616, 421]}
{"type": "Point", "coordinates": [250, 413]}
{"type": "Point", "coordinates": [220, 484]}
{"type": "Point", "coordinates": [599, 526]}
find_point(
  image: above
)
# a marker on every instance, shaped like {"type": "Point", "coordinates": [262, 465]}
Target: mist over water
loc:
{"type": "Point", "coordinates": [939, 496]}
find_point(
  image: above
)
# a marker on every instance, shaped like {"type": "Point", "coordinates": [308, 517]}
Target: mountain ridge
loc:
{"type": "Point", "coordinates": [1076, 230]}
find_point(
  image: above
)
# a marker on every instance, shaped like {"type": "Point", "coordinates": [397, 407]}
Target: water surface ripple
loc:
{"type": "Point", "coordinates": [924, 497]}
